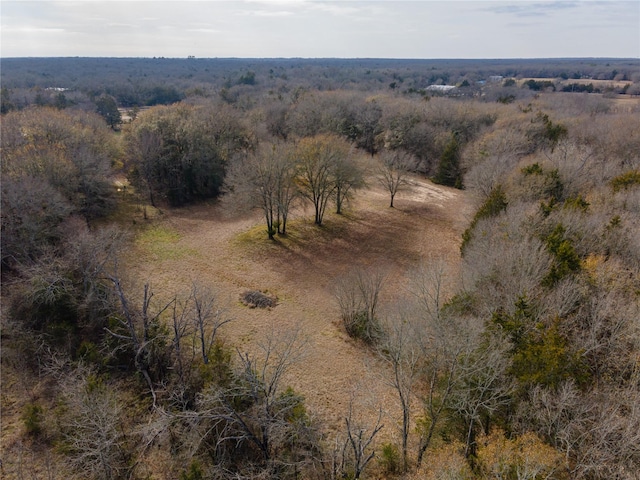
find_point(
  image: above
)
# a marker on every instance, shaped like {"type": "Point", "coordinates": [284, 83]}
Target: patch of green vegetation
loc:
{"type": "Point", "coordinates": [194, 473]}
{"type": "Point", "coordinates": [363, 326]}
{"type": "Point", "coordinates": [163, 243]}
{"type": "Point", "coordinates": [577, 202]}
{"type": "Point", "coordinates": [460, 304]}
{"type": "Point", "coordinates": [626, 180]}
{"type": "Point", "coordinates": [540, 354]}
{"type": "Point", "coordinates": [533, 169]}
{"type": "Point", "coordinates": [566, 259]}
{"type": "Point", "coordinates": [542, 184]}
{"type": "Point", "coordinates": [33, 416]}
{"type": "Point", "coordinates": [506, 99]}
{"type": "Point", "coordinates": [495, 203]}
{"type": "Point", "coordinates": [449, 172]}
{"type": "Point", "coordinates": [390, 458]}
{"type": "Point", "coordinates": [300, 233]}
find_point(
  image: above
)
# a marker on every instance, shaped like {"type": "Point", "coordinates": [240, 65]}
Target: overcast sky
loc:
{"type": "Point", "coordinates": [306, 28]}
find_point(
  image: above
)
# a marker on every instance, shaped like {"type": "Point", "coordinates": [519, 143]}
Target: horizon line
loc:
{"type": "Point", "coordinates": [193, 57]}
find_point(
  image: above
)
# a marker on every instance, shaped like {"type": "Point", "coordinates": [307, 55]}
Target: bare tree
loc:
{"type": "Point", "coordinates": [92, 424]}
{"type": "Point", "coordinates": [256, 413]}
{"type": "Point", "coordinates": [317, 158]}
{"type": "Point", "coordinates": [602, 330]}
{"type": "Point", "coordinates": [399, 349]}
{"type": "Point", "coordinates": [32, 211]}
{"type": "Point", "coordinates": [394, 170]}
{"type": "Point", "coordinates": [348, 177]}
{"type": "Point", "coordinates": [441, 339]}
{"type": "Point", "coordinates": [492, 157]}
{"type": "Point", "coordinates": [90, 253]}
{"type": "Point", "coordinates": [148, 149]}
{"type": "Point", "coordinates": [359, 441]}
{"type": "Point", "coordinates": [265, 179]}
{"type": "Point", "coordinates": [182, 327]}
{"type": "Point", "coordinates": [208, 316]}
{"type": "Point", "coordinates": [136, 329]}
{"type": "Point", "coordinates": [505, 262]}
{"type": "Point", "coordinates": [598, 431]}
{"type": "Point", "coordinates": [286, 189]}
{"type": "Point", "coordinates": [482, 386]}
{"type": "Point", "coordinates": [358, 296]}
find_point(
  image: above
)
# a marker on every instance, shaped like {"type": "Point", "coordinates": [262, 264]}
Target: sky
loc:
{"type": "Point", "coordinates": [321, 29]}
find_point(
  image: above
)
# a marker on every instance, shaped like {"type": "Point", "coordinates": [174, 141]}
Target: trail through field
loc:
{"type": "Point", "coordinates": [233, 255]}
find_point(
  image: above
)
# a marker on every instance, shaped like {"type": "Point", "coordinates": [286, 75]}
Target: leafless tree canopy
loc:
{"type": "Point", "coordinates": [394, 170]}
{"type": "Point", "coordinates": [524, 364]}
{"type": "Point", "coordinates": [358, 294]}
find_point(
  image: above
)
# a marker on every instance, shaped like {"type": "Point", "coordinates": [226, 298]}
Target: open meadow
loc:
{"type": "Point", "coordinates": [233, 255]}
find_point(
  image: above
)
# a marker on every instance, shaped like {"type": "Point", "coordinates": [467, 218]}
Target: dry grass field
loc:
{"type": "Point", "coordinates": [603, 84]}
{"type": "Point", "coordinates": [233, 255]}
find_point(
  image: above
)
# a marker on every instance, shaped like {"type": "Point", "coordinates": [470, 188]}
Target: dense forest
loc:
{"type": "Point", "coordinates": [520, 359]}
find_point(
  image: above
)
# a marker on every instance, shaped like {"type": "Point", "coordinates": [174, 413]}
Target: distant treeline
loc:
{"type": "Point", "coordinates": [153, 81]}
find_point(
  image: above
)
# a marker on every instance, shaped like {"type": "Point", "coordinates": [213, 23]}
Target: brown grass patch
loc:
{"type": "Point", "coordinates": [234, 256]}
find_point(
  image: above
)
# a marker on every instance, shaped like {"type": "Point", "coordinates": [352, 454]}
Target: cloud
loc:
{"type": "Point", "coordinates": [335, 8]}
{"type": "Point", "coordinates": [121, 25]}
{"type": "Point", "coordinates": [277, 3]}
{"type": "Point", "coordinates": [203, 30]}
{"type": "Point", "coordinates": [314, 28]}
{"type": "Point", "coordinates": [532, 9]}
{"type": "Point", "coordinates": [32, 29]}
{"type": "Point", "coordinates": [266, 13]}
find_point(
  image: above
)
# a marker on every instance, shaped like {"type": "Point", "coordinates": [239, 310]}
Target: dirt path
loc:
{"type": "Point", "coordinates": [234, 255]}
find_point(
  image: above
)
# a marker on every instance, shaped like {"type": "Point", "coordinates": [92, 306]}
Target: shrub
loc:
{"type": "Point", "coordinates": [576, 203]}
{"type": "Point", "coordinates": [32, 417]}
{"type": "Point", "coordinates": [390, 460]}
{"type": "Point", "coordinates": [218, 370]}
{"type": "Point", "coordinates": [193, 473]}
{"type": "Point", "coordinates": [495, 203]}
{"type": "Point", "coordinates": [533, 169]}
{"type": "Point", "coordinates": [506, 99]}
{"type": "Point", "coordinates": [539, 85]}
{"type": "Point", "coordinates": [362, 326]}
{"type": "Point", "coordinates": [523, 457]}
{"type": "Point", "coordinates": [540, 355]}
{"type": "Point", "coordinates": [566, 258]}
{"type": "Point", "coordinates": [538, 183]}
{"type": "Point", "coordinates": [544, 358]}
{"type": "Point", "coordinates": [358, 295]}
{"type": "Point", "coordinates": [544, 133]}
{"type": "Point", "coordinates": [89, 352]}
{"type": "Point", "coordinates": [448, 462]}
{"type": "Point", "coordinates": [626, 180]}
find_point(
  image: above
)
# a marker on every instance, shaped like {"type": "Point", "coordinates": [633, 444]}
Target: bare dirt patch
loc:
{"type": "Point", "coordinates": [234, 255]}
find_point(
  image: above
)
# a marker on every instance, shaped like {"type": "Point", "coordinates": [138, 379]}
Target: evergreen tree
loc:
{"type": "Point", "coordinates": [449, 172]}
{"type": "Point", "coordinates": [107, 108]}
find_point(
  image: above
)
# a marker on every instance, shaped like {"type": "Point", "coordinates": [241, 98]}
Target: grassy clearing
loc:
{"type": "Point", "coordinates": [162, 243]}
{"type": "Point", "coordinates": [151, 236]}
{"type": "Point", "coordinates": [301, 233]}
